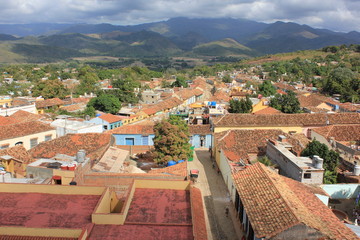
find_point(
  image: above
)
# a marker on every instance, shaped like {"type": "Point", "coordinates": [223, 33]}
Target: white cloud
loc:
{"type": "Point", "coordinates": [341, 15]}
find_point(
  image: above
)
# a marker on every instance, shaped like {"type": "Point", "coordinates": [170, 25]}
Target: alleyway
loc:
{"type": "Point", "coordinates": [215, 198]}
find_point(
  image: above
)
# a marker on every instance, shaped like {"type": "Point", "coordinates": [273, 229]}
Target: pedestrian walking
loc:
{"type": "Point", "coordinates": [227, 212]}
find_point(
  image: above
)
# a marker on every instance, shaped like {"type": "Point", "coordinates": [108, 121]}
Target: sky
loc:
{"type": "Point", "coordinates": [337, 15]}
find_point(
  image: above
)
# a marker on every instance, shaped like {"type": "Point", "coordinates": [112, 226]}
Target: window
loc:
{"type": "Point", "coordinates": [4, 146]}
{"type": "Point", "coordinates": [105, 127]}
{"type": "Point", "coordinates": [33, 142]}
{"type": "Point", "coordinates": [48, 137]}
{"type": "Point", "coordinates": [307, 175]}
{"type": "Point", "coordinates": [19, 143]}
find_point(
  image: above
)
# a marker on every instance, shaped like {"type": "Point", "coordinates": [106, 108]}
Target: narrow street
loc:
{"type": "Point", "coordinates": [215, 198]}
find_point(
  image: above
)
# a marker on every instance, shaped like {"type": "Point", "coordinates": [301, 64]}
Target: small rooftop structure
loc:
{"type": "Point", "coordinates": [302, 169]}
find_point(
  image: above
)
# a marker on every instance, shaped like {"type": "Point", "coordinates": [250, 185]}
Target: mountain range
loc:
{"type": "Point", "coordinates": [175, 37]}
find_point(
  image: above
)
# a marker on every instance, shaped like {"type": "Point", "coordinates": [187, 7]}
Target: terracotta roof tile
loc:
{"type": "Point", "coordinates": [220, 96]}
{"type": "Point", "coordinates": [49, 103]}
{"type": "Point", "coordinates": [197, 208]}
{"type": "Point", "coordinates": [95, 144]}
{"type": "Point", "coordinates": [12, 237]}
{"type": "Point", "coordinates": [24, 116]}
{"type": "Point", "coordinates": [179, 169]}
{"type": "Point", "coordinates": [110, 118]}
{"type": "Point", "coordinates": [76, 100]}
{"type": "Point", "coordinates": [74, 107]}
{"type": "Point", "coordinates": [161, 106]}
{"type": "Point", "coordinates": [340, 132]}
{"type": "Point", "coordinates": [23, 129]}
{"type": "Point", "coordinates": [268, 110]}
{"type": "Point", "coordinates": [301, 119]}
{"type": "Point", "coordinates": [237, 144]}
{"type": "Point", "coordinates": [200, 129]}
{"type": "Point", "coordinates": [6, 121]}
{"type": "Point", "coordinates": [134, 129]}
{"type": "Point", "coordinates": [275, 203]}
{"type": "Point", "coordinates": [18, 153]}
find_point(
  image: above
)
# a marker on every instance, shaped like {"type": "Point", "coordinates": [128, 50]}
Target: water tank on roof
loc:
{"type": "Point", "coordinates": [171, 163]}
{"type": "Point", "coordinates": [213, 103]}
{"type": "Point", "coordinates": [80, 156]}
{"type": "Point", "coordinates": [97, 115]}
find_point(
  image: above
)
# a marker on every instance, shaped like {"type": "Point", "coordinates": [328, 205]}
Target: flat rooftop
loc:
{"type": "Point", "coordinates": [154, 214]}
{"type": "Point", "coordinates": [43, 210]}
{"type": "Point", "coordinates": [301, 162]}
{"type": "Point", "coordinates": [148, 232]}
{"type": "Point", "coordinates": [160, 206]}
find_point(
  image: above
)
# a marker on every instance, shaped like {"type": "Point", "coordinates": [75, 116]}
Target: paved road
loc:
{"type": "Point", "coordinates": [216, 199]}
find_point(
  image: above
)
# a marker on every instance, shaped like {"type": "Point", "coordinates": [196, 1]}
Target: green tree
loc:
{"type": "Point", "coordinates": [90, 111]}
{"type": "Point", "coordinates": [171, 141]}
{"type": "Point", "coordinates": [125, 90]}
{"type": "Point", "coordinates": [227, 79]}
{"type": "Point", "coordinates": [287, 103]}
{"type": "Point", "coordinates": [267, 89]}
{"type": "Point", "coordinates": [330, 157]}
{"type": "Point", "coordinates": [240, 106]}
{"type": "Point", "coordinates": [88, 83]}
{"type": "Point", "coordinates": [342, 81]}
{"type": "Point", "coordinates": [105, 103]}
{"type": "Point", "coordinates": [180, 82]}
{"type": "Point", "coordinates": [49, 89]}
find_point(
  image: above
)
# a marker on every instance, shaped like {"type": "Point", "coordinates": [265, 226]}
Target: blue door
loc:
{"type": "Point", "coordinates": [145, 140]}
{"type": "Point", "coordinates": [129, 141]}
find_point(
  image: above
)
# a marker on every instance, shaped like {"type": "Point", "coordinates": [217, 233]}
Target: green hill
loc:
{"type": "Point", "coordinates": [225, 47]}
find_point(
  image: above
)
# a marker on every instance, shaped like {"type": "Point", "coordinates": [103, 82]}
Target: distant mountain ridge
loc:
{"type": "Point", "coordinates": [176, 36]}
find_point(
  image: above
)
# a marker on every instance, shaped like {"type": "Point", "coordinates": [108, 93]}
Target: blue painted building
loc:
{"type": "Point", "coordinates": [201, 136]}
{"type": "Point", "coordinates": [109, 121]}
{"type": "Point", "coordinates": [138, 135]}
{"type": "Point", "coordinates": [143, 135]}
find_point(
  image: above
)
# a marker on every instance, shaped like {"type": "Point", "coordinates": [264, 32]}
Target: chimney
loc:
{"type": "Point", "coordinates": [80, 156]}
{"type": "Point", "coordinates": [317, 162]}
{"type": "Point", "coordinates": [282, 138]}
{"type": "Point", "coordinates": [356, 169]}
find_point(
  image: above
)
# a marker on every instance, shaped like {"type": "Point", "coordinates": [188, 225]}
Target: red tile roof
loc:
{"type": "Point", "coordinates": [95, 145]}
{"type": "Point", "coordinates": [187, 93]}
{"type": "Point", "coordinates": [24, 116]}
{"type": "Point", "coordinates": [23, 129]}
{"type": "Point", "coordinates": [179, 169]}
{"type": "Point", "coordinates": [161, 106]}
{"type": "Point", "coordinates": [18, 153]}
{"type": "Point", "coordinates": [12, 237]}
{"type": "Point", "coordinates": [74, 107]}
{"type": "Point", "coordinates": [134, 129]}
{"type": "Point", "coordinates": [275, 203]}
{"type": "Point", "coordinates": [237, 144]}
{"type": "Point", "coordinates": [49, 103]}
{"type": "Point", "coordinates": [220, 96]}
{"type": "Point", "coordinates": [76, 100]}
{"type": "Point", "coordinates": [6, 121]}
{"type": "Point", "coordinates": [340, 132]}
{"type": "Point", "coordinates": [110, 118]}
{"type": "Point", "coordinates": [268, 110]}
{"type": "Point", "coordinates": [200, 129]}
{"type": "Point", "coordinates": [198, 216]}
{"type": "Point", "coordinates": [301, 119]}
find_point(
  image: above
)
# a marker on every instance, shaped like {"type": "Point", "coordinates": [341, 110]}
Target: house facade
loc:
{"type": "Point", "coordinates": [28, 134]}
{"type": "Point", "coordinates": [108, 121]}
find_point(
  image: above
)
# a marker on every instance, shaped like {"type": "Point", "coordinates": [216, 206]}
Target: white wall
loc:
{"type": "Point", "coordinates": [12, 110]}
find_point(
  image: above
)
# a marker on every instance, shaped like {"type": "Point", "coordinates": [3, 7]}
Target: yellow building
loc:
{"type": "Point", "coordinates": [5, 101]}
{"type": "Point", "coordinates": [289, 123]}
{"type": "Point", "coordinates": [94, 212]}
{"type": "Point", "coordinates": [28, 134]}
